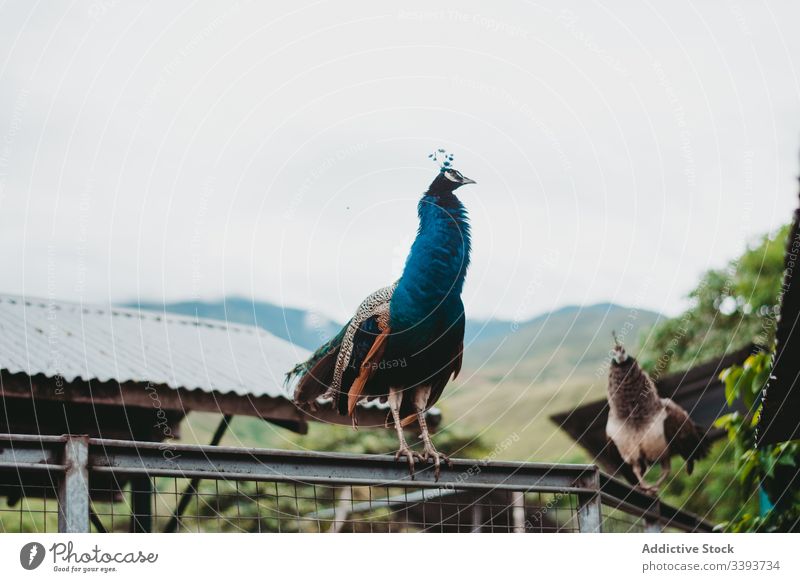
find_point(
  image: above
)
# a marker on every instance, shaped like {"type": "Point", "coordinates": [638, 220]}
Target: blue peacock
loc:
{"type": "Point", "coordinates": [405, 341]}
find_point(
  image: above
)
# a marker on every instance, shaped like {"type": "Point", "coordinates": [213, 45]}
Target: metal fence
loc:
{"type": "Point", "coordinates": [78, 484]}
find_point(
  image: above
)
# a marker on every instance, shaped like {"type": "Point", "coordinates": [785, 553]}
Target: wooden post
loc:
{"type": "Point", "coordinates": [73, 489]}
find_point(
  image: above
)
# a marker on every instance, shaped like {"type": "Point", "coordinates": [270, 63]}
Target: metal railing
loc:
{"type": "Point", "coordinates": [76, 484]}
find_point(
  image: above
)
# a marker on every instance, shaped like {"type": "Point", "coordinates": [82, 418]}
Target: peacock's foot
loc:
{"type": "Point", "coordinates": [405, 451]}
{"type": "Point", "coordinates": [648, 489]}
{"type": "Point", "coordinates": [429, 452]}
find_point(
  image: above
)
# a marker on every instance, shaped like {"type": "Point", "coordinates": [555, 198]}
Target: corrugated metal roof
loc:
{"type": "Point", "coordinates": [104, 343]}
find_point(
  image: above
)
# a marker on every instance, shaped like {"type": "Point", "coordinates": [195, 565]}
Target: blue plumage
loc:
{"type": "Point", "coordinates": [405, 341]}
{"type": "Point", "coordinates": [436, 267]}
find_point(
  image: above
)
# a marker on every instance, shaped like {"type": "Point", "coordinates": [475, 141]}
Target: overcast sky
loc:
{"type": "Point", "coordinates": [170, 150]}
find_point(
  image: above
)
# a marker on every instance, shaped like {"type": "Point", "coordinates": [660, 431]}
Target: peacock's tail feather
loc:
{"type": "Point", "coordinates": [312, 373]}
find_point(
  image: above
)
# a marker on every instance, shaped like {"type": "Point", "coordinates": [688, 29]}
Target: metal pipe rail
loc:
{"type": "Point", "coordinates": [72, 461]}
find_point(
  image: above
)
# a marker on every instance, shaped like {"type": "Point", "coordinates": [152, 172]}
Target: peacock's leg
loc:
{"type": "Point", "coordinates": [421, 396]}
{"type": "Point", "coordinates": [395, 399]}
{"type": "Point", "coordinates": [642, 484]}
{"type": "Point", "coordinates": [665, 470]}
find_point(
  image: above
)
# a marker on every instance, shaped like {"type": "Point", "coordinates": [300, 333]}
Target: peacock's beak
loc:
{"type": "Point", "coordinates": [468, 181]}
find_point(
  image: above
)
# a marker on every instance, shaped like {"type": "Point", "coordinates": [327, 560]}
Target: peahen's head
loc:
{"type": "Point", "coordinates": [447, 181]}
{"type": "Point", "coordinates": [618, 354]}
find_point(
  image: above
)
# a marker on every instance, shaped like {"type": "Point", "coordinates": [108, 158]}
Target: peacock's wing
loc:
{"type": "Point", "coordinates": [683, 435]}
{"type": "Point", "coordinates": [363, 340]}
{"type": "Point", "coordinates": [314, 375]}
{"type": "Point", "coordinates": [453, 351]}
{"type": "Point", "coordinates": [336, 367]}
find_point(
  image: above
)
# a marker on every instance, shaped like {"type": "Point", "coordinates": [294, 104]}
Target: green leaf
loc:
{"type": "Point", "coordinates": [750, 462]}
{"type": "Point", "coordinates": [769, 468]}
{"type": "Point", "coordinates": [724, 421]}
{"type": "Point", "coordinates": [755, 418]}
{"type": "Point", "coordinates": [732, 384]}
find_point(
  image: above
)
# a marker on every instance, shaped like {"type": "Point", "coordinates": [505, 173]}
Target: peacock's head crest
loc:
{"type": "Point", "coordinates": [449, 178]}
{"type": "Point", "coordinates": [618, 353]}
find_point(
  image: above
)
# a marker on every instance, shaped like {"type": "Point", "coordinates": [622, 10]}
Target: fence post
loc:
{"type": "Point", "coordinates": [342, 509]}
{"type": "Point", "coordinates": [73, 488]}
{"type": "Point", "coordinates": [477, 515]}
{"type": "Point", "coordinates": [518, 512]}
{"type": "Point", "coordinates": [652, 526]}
{"type": "Point", "coordinates": [141, 504]}
{"type": "Point", "coordinates": [590, 507]}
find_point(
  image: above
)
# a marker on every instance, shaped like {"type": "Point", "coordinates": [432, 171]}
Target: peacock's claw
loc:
{"type": "Point", "coordinates": [411, 455]}
{"type": "Point", "coordinates": [429, 452]}
{"type": "Point", "coordinates": [648, 489]}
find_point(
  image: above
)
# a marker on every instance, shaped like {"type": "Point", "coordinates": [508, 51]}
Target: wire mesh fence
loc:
{"type": "Point", "coordinates": [32, 510]}
{"type": "Point", "coordinates": [617, 521]}
{"type": "Point", "coordinates": [256, 506]}
{"type": "Point", "coordinates": [124, 486]}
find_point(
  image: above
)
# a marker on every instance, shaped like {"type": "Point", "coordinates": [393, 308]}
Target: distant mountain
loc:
{"type": "Point", "coordinates": [518, 374]}
{"type": "Point", "coordinates": [299, 326]}
{"type": "Point", "coordinates": [562, 341]}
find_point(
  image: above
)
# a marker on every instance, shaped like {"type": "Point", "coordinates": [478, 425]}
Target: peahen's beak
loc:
{"type": "Point", "coordinates": [468, 181]}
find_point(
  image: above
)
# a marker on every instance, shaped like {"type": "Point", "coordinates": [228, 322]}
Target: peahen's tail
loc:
{"type": "Point", "coordinates": [314, 375]}
{"type": "Point", "coordinates": [701, 449]}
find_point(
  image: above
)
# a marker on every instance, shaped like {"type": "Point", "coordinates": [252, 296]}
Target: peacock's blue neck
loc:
{"type": "Point", "coordinates": [437, 264]}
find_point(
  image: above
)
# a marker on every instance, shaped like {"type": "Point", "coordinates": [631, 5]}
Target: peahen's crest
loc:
{"type": "Point", "coordinates": [444, 159]}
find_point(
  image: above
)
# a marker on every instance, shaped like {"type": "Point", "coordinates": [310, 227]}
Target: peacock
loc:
{"type": "Point", "coordinates": [645, 427]}
{"type": "Point", "coordinates": [406, 340]}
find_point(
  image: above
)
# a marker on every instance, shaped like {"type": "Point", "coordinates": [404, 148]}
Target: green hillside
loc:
{"type": "Point", "coordinates": [514, 380]}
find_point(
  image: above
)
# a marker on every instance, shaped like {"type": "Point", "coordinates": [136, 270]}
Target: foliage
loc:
{"type": "Point", "coordinates": [729, 309]}
{"type": "Point", "coordinates": [771, 468]}
{"type": "Point", "coordinates": [711, 491]}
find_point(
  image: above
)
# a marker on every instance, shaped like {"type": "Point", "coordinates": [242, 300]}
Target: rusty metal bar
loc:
{"type": "Point", "coordinates": [73, 487]}
{"type": "Point", "coordinates": [234, 463]}
{"type": "Point", "coordinates": [31, 453]}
